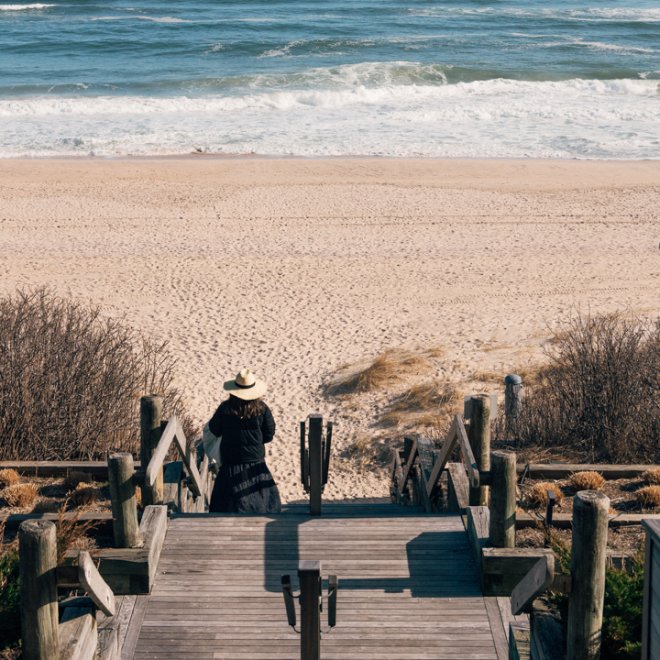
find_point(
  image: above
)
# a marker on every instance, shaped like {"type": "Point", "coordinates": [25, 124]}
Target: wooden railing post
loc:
{"type": "Point", "coordinates": [588, 554]}
{"type": "Point", "coordinates": [38, 563]}
{"type": "Point", "coordinates": [502, 527]}
{"type": "Point", "coordinates": [315, 463]}
{"type": "Point", "coordinates": [151, 411]}
{"type": "Point", "coordinates": [309, 576]}
{"type": "Point", "coordinates": [124, 504]}
{"type": "Point", "coordinates": [512, 391]}
{"type": "Point", "coordinates": [479, 436]}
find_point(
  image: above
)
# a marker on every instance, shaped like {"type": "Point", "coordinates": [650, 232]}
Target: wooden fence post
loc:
{"type": "Point", "coordinates": [479, 437]}
{"type": "Point", "coordinates": [502, 526]}
{"type": "Point", "coordinates": [315, 463]}
{"type": "Point", "coordinates": [124, 504]}
{"type": "Point", "coordinates": [309, 576]}
{"type": "Point", "coordinates": [38, 563]}
{"type": "Point", "coordinates": [588, 554]}
{"type": "Point", "coordinates": [151, 411]}
{"type": "Point", "coordinates": [512, 404]}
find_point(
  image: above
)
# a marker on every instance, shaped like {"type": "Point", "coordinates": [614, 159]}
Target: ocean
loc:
{"type": "Point", "coordinates": [452, 78]}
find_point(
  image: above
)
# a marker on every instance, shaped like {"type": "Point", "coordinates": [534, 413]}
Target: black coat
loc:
{"type": "Point", "coordinates": [243, 440]}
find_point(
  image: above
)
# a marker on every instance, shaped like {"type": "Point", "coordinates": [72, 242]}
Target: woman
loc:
{"type": "Point", "coordinates": [245, 424]}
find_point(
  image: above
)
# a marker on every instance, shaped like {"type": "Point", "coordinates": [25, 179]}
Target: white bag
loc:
{"type": "Point", "coordinates": [211, 445]}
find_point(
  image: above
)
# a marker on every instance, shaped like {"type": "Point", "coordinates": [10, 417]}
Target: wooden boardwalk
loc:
{"type": "Point", "coordinates": [408, 588]}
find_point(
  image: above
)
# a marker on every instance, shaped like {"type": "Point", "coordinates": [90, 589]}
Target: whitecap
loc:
{"type": "Point", "coordinates": [34, 6]}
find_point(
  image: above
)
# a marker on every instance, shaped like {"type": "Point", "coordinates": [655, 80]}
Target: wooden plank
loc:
{"type": "Point", "coordinates": [650, 549]}
{"type": "Point", "coordinates": [478, 523]}
{"type": "Point", "coordinates": [458, 487]}
{"type": "Point", "coordinates": [444, 454]}
{"type": "Point", "coordinates": [412, 456]}
{"type": "Point", "coordinates": [134, 627]}
{"type": "Point", "coordinates": [565, 470]}
{"type": "Point", "coordinates": [519, 642]}
{"type": "Point", "coordinates": [160, 452]}
{"type": "Point", "coordinates": [78, 634]}
{"type": "Point", "coordinates": [467, 454]}
{"type": "Point", "coordinates": [497, 628]}
{"type": "Point", "coordinates": [535, 582]}
{"type": "Point", "coordinates": [172, 472]}
{"type": "Point", "coordinates": [153, 528]}
{"type": "Point", "coordinates": [94, 584]}
{"type": "Point", "coordinates": [14, 520]}
{"type": "Point", "coordinates": [108, 647]}
{"type": "Point", "coordinates": [97, 469]}
{"type": "Point", "coordinates": [196, 484]}
{"type": "Point", "coordinates": [503, 568]}
{"type": "Point", "coordinates": [123, 616]}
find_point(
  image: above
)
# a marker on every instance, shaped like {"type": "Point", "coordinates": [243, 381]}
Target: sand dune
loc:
{"type": "Point", "coordinates": [294, 267]}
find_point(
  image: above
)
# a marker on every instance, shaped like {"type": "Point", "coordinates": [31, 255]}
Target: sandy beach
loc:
{"type": "Point", "coordinates": [296, 267]}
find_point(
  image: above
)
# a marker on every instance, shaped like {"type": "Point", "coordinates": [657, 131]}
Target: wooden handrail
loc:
{"type": "Point", "coordinates": [466, 452]}
{"type": "Point", "coordinates": [173, 433]}
{"type": "Point", "coordinates": [537, 580]}
{"type": "Point", "coordinates": [92, 582]}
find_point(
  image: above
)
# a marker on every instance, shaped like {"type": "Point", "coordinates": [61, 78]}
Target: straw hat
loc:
{"type": "Point", "coordinates": [245, 386]}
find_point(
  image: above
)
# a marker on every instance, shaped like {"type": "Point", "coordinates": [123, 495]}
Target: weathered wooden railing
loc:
{"type": "Point", "coordinates": [315, 451]}
{"type": "Point", "coordinates": [416, 470]}
{"type": "Point", "coordinates": [66, 629]}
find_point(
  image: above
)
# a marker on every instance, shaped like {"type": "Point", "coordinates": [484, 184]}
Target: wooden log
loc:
{"type": "Point", "coordinates": [94, 584]}
{"type": "Point", "coordinates": [458, 488]}
{"type": "Point", "coordinates": [479, 437]}
{"type": "Point", "coordinates": [38, 589]}
{"type": "Point", "coordinates": [309, 576]}
{"type": "Point", "coordinates": [503, 568]}
{"type": "Point", "coordinates": [585, 605]}
{"type": "Point", "coordinates": [503, 499]}
{"type": "Point", "coordinates": [97, 469]}
{"type": "Point", "coordinates": [535, 582]}
{"type": "Point", "coordinates": [315, 463]}
{"type": "Point", "coordinates": [151, 412]}
{"type": "Point", "coordinates": [78, 634]}
{"type": "Point", "coordinates": [124, 503]}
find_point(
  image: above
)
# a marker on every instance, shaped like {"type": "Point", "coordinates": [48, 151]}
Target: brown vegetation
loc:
{"type": "Point", "coordinates": [426, 404]}
{"type": "Point", "coordinates": [587, 480]}
{"type": "Point", "coordinates": [9, 478]}
{"type": "Point", "coordinates": [652, 477]}
{"type": "Point", "coordinates": [386, 369]}
{"type": "Point", "coordinates": [70, 380]}
{"type": "Point", "coordinates": [537, 496]}
{"type": "Point", "coordinates": [20, 495]}
{"type": "Point", "coordinates": [649, 497]}
{"type": "Point", "coordinates": [600, 393]}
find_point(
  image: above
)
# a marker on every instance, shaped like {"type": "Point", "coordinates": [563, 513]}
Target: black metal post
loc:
{"type": "Point", "coordinates": [309, 575]}
{"type": "Point", "coordinates": [315, 463]}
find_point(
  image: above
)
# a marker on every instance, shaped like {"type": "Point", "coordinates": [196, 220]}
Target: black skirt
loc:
{"type": "Point", "coordinates": [245, 488]}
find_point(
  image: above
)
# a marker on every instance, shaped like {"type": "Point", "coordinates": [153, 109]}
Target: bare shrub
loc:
{"type": "Point", "coordinates": [385, 370]}
{"type": "Point", "coordinates": [587, 480]}
{"type": "Point", "coordinates": [652, 477]}
{"type": "Point", "coordinates": [599, 396]}
{"type": "Point", "coordinates": [648, 497]}
{"type": "Point", "coordinates": [70, 380]}
{"type": "Point", "coordinates": [537, 496]}
{"type": "Point", "coordinates": [20, 495]}
{"type": "Point", "coordinates": [9, 477]}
